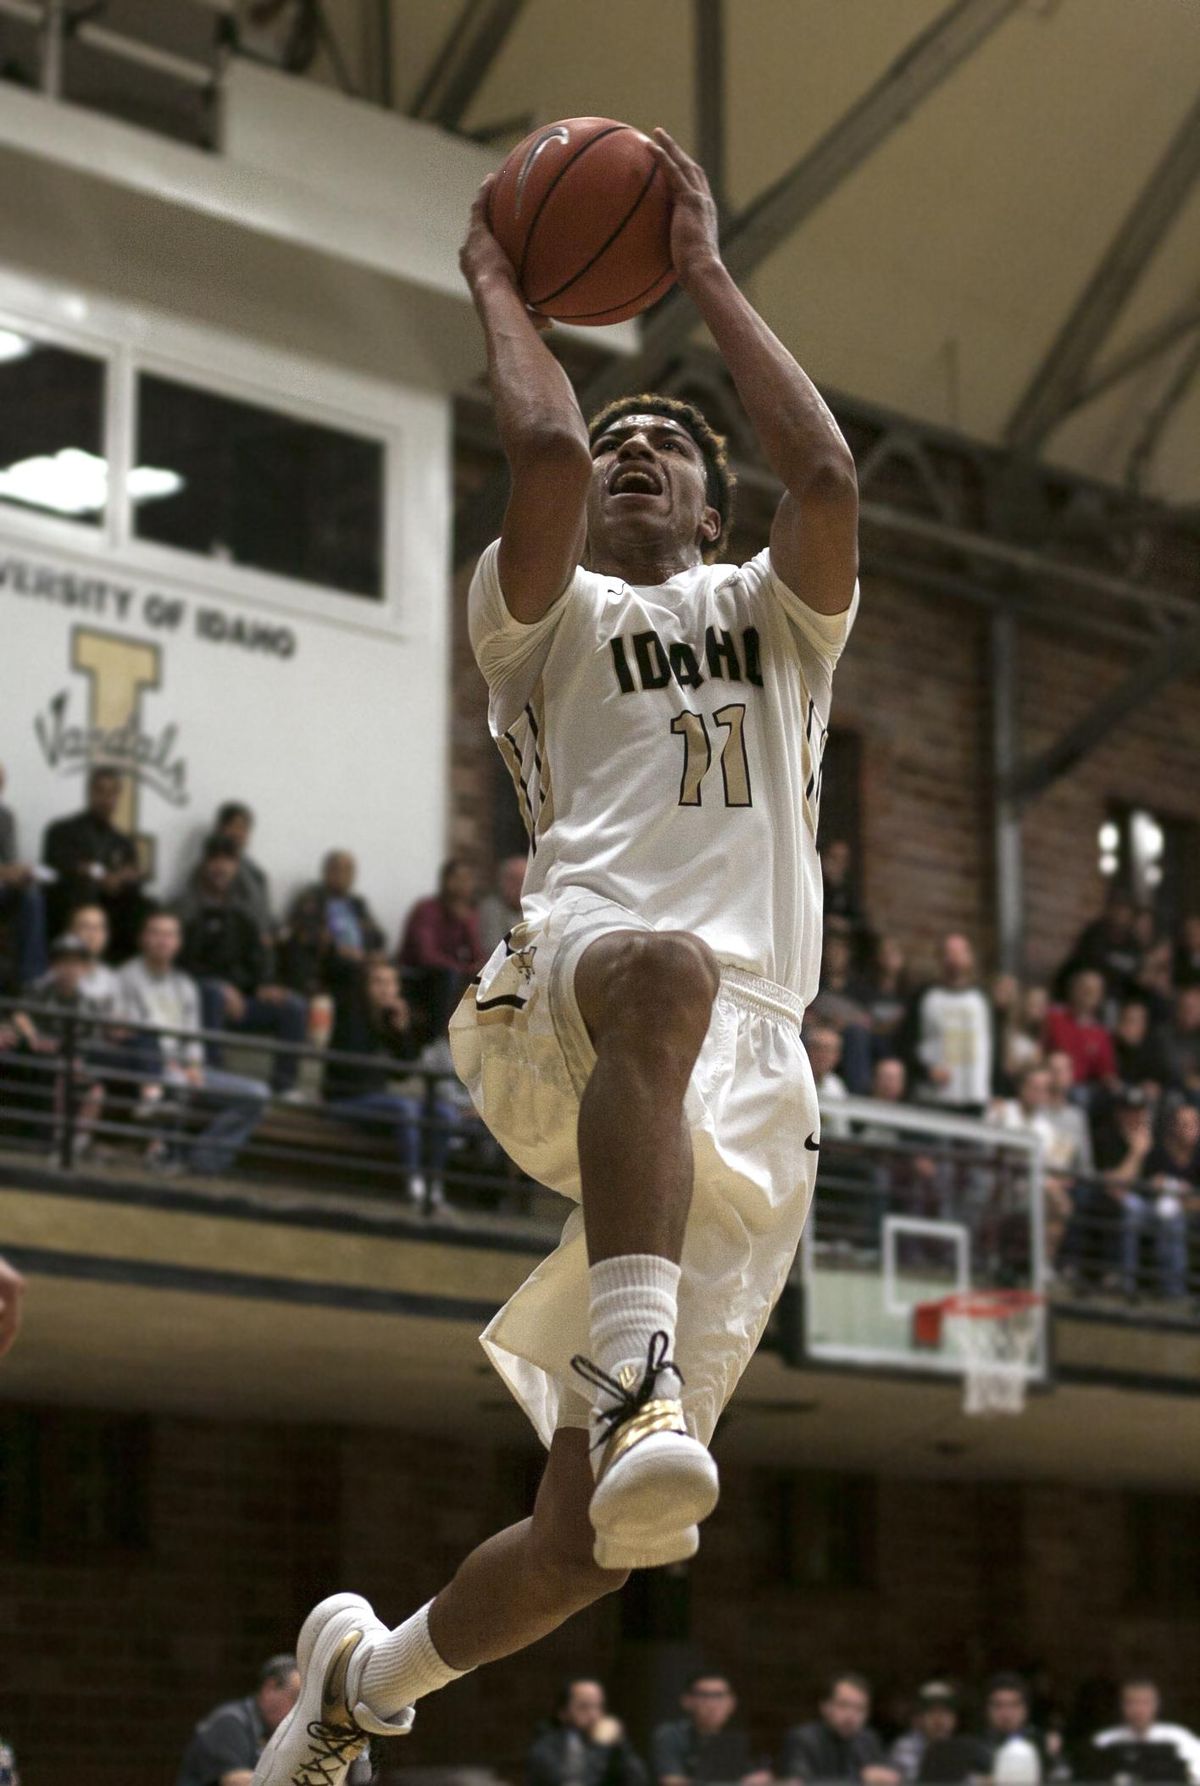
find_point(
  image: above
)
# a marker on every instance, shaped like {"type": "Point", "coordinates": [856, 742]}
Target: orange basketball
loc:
{"type": "Point", "coordinates": [582, 210]}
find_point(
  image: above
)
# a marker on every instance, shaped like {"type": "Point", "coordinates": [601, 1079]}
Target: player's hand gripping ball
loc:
{"type": "Point", "coordinates": [582, 210]}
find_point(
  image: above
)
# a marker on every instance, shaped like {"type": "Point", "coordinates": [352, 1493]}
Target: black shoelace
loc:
{"type": "Point", "coordinates": [626, 1402]}
{"type": "Point", "coordinates": [333, 1747]}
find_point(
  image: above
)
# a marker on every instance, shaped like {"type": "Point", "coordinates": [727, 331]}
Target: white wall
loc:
{"type": "Point", "coordinates": [329, 717]}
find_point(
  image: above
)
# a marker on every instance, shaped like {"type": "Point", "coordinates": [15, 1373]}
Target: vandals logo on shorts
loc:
{"type": "Point", "coordinates": [117, 673]}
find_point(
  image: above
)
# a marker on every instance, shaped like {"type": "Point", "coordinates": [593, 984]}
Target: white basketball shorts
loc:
{"type": "Point", "coordinates": [522, 1049]}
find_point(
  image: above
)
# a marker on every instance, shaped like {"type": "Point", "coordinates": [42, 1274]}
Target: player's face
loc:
{"type": "Point", "coordinates": [649, 484]}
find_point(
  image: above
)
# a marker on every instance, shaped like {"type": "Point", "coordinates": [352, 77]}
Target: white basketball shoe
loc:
{"type": "Point", "coordinates": [655, 1483]}
{"type": "Point", "coordinates": [329, 1727]}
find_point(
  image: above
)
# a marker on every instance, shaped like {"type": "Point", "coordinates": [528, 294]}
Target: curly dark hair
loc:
{"type": "Point", "coordinates": [719, 480]}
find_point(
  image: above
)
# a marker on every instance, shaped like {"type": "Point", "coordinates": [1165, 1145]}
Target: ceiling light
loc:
{"type": "Point", "coordinates": [72, 482]}
{"type": "Point", "coordinates": [13, 346]}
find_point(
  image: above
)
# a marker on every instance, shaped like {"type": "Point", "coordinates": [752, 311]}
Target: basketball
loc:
{"type": "Point", "coordinates": [583, 211]}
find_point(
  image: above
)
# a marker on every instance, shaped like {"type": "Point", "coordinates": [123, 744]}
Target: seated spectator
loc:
{"type": "Point", "coordinates": [440, 948]}
{"type": "Point", "coordinates": [1029, 1114]}
{"type": "Point", "coordinates": [56, 997]}
{"type": "Point", "coordinates": [1006, 1718]}
{"type": "Point", "coordinates": [223, 950]}
{"type": "Point", "coordinates": [1124, 1137]}
{"type": "Point", "coordinates": [582, 1745]}
{"type": "Point", "coordinates": [949, 1035]}
{"type": "Point", "coordinates": [1182, 1044]}
{"type": "Point", "coordinates": [1017, 1034]}
{"type": "Point", "coordinates": [1076, 1029]}
{"type": "Point", "coordinates": [840, 1004]}
{"type": "Point", "coordinates": [702, 1746]}
{"type": "Point", "coordinates": [1187, 952]}
{"type": "Point", "coordinates": [153, 991]}
{"type": "Point", "coordinates": [1109, 946]}
{"type": "Point", "coordinates": [841, 902]}
{"type": "Point", "coordinates": [330, 931]}
{"type": "Point", "coordinates": [374, 1022]}
{"type": "Point", "coordinates": [96, 863]}
{"type": "Point", "coordinates": [452, 1116]}
{"type": "Point", "coordinates": [824, 1047]}
{"type": "Point", "coordinates": [1070, 1150]}
{"type": "Point", "coordinates": [234, 824]}
{"type": "Point", "coordinates": [1157, 1200]}
{"type": "Point", "coordinates": [22, 910]}
{"type": "Point", "coordinates": [889, 1081]}
{"type": "Point", "coordinates": [89, 923]}
{"type": "Point", "coordinates": [932, 1750]}
{"type": "Point", "coordinates": [225, 1746]}
{"type": "Point", "coordinates": [1140, 1054]}
{"type": "Point", "coordinates": [1154, 984]}
{"type": "Point", "coordinates": [886, 993]}
{"type": "Point", "coordinates": [1140, 1723]}
{"type": "Point", "coordinates": [499, 911]}
{"type": "Point", "coordinates": [839, 1745]}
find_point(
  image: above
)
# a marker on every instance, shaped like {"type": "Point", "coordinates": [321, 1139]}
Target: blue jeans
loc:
{"type": "Point", "coordinates": [284, 1019]}
{"type": "Point", "coordinates": [1170, 1244]}
{"type": "Point", "coordinates": [383, 1110]}
{"type": "Point", "coordinates": [25, 909]}
{"type": "Point", "coordinates": [240, 1105]}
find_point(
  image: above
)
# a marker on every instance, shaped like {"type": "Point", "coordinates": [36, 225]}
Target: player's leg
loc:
{"type": "Point", "coordinates": [358, 1677]}
{"type": "Point", "coordinates": [646, 999]}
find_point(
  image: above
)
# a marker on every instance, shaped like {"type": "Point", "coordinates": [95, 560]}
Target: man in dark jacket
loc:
{"type": "Point", "coordinates": [839, 1745]}
{"type": "Point", "coordinates": [95, 862]}
{"type": "Point", "coordinates": [223, 950]}
{"type": "Point", "coordinates": [583, 1745]}
{"type": "Point", "coordinates": [330, 931]}
{"type": "Point", "coordinates": [374, 1024]}
{"type": "Point", "coordinates": [226, 1745]}
{"type": "Point", "coordinates": [703, 1745]}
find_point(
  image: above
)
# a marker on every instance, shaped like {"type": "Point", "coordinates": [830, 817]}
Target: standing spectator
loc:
{"type": "Point", "coordinates": [1029, 1114]}
{"type": "Point", "coordinates": [841, 901]}
{"type": "Point", "coordinates": [1017, 1036]}
{"type": "Point", "coordinates": [1182, 1042]}
{"type": "Point", "coordinates": [90, 924]}
{"type": "Point", "coordinates": [225, 1746]}
{"type": "Point", "coordinates": [223, 949]}
{"type": "Point", "coordinates": [1140, 1056]}
{"type": "Point", "coordinates": [1155, 985]}
{"type": "Point", "coordinates": [440, 948]}
{"type": "Point", "coordinates": [1071, 1147]}
{"type": "Point", "coordinates": [701, 1746]}
{"type": "Point", "coordinates": [1006, 1717]}
{"type": "Point", "coordinates": [1160, 1203]}
{"type": "Point", "coordinates": [373, 1022]}
{"type": "Point", "coordinates": [499, 911]}
{"type": "Point", "coordinates": [330, 930]}
{"type": "Point", "coordinates": [1110, 946]}
{"type": "Point", "coordinates": [932, 1750]}
{"type": "Point", "coordinates": [1140, 1706]}
{"type": "Point", "coordinates": [1187, 952]}
{"type": "Point", "coordinates": [582, 1745]}
{"type": "Point", "coordinates": [1076, 1029]}
{"type": "Point", "coordinates": [21, 905]}
{"type": "Point", "coordinates": [153, 991]}
{"type": "Point", "coordinates": [839, 1745]}
{"type": "Point", "coordinates": [234, 824]}
{"type": "Point", "coordinates": [96, 864]}
{"type": "Point", "coordinates": [950, 1031]}
{"type": "Point", "coordinates": [886, 994]}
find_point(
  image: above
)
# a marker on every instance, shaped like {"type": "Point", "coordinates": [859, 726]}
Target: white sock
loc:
{"type": "Point", "coordinates": [632, 1298]}
{"type": "Point", "coordinates": [403, 1668]}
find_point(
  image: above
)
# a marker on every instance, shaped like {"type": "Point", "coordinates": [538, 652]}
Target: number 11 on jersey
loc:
{"type": "Point", "coordinates": [697, 758]}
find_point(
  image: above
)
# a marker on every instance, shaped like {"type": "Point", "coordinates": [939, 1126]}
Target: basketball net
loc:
{"type": "Point", "coordinates": [994, 1334]}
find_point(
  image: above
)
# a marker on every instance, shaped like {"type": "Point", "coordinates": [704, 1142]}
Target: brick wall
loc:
{"type": "Point", "coordinates": [914, 685]}
{"type": "Point", "coordinates": [106, 1663]}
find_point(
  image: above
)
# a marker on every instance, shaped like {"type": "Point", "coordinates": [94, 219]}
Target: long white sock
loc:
{"type": "Point", "coordinates": [632, 1298]}
{"type": "Point", "coordinates": [403, 1668]}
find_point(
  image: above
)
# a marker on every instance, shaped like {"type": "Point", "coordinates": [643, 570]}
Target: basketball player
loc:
{"type": "Point", "coordinates": [635, 1040]}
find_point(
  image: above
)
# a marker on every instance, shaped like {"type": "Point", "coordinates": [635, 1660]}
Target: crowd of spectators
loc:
{"type": "Point", "coordinates": [83, 938]}
{"type": "Point", "coordinates": [1100, 1062]}
{"type": "Point", "coordinates": [936, 1740]}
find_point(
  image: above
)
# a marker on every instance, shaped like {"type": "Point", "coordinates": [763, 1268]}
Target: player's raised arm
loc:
{"type": "Point", "coordinates": [814, 537]}
{"type": "Point", "coordinates": [541, 430]}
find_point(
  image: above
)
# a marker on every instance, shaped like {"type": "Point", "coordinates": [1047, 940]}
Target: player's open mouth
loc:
{"type": "Point", "coordinates": [635, 480]}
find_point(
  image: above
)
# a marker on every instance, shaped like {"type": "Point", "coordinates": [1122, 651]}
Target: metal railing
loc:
{"type": "Point", "coordinates": [85, 1092]}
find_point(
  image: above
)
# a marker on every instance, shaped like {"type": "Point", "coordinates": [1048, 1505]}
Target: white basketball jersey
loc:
{"type": "Point", "coordinates": [665, 743]}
